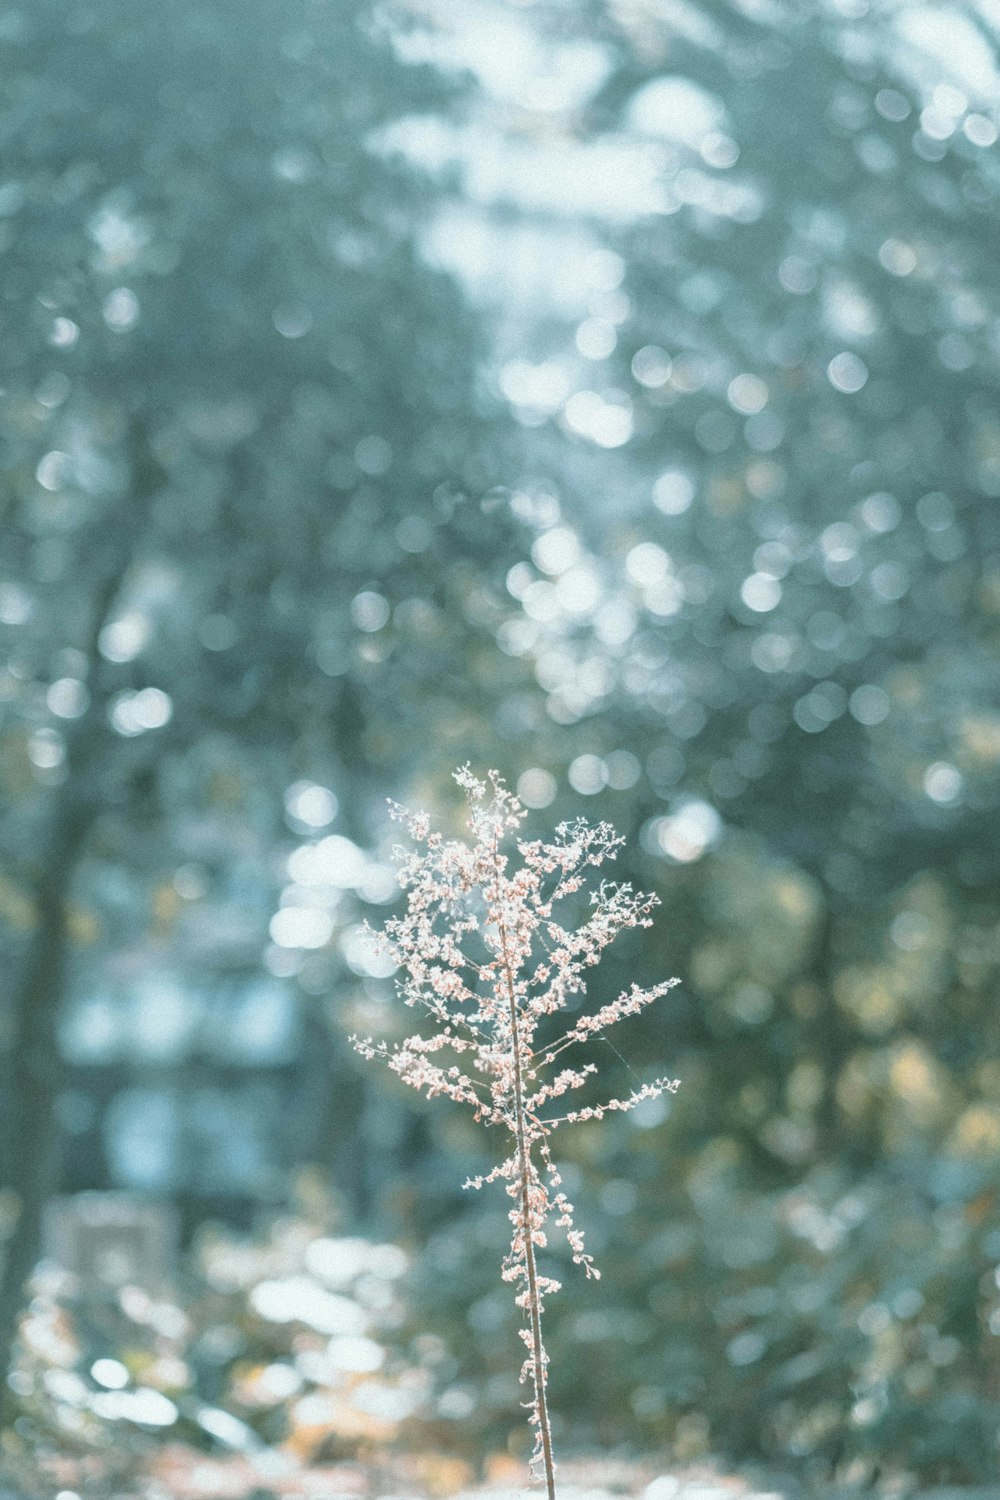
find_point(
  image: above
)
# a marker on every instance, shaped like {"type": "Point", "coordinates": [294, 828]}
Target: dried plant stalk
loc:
{"type": "Point", "coordinates": [483, 954]}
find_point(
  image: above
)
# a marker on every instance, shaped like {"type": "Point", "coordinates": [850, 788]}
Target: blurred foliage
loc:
{"type": "Point", "coordinates": [246, 450]}
{"type": "Point", "coordinates": [775, 655]}
{"type": "Point", "coordinates": [253, 579]}
{"type": "Point", "coordinates": [289, 1350]}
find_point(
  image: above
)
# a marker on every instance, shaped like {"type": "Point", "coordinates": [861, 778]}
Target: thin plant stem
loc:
{"type": "Point", "coordinates": [537, 1350]}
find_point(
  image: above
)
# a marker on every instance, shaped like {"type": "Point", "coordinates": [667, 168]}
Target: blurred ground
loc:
{"type": "Point", "coordinates": [179, 1472]}
{"type": "Point", "coordinates": [182, 1474]}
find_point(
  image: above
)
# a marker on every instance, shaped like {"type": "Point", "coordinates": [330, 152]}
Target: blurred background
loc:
{"type": "Point", "coordinates": [604, 391]}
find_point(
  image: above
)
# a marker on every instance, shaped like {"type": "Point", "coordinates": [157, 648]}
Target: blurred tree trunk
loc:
{"type": "Point", "coordinates": [36, 1065]}
{"type": "Point", "coordinates": [830, 1032]}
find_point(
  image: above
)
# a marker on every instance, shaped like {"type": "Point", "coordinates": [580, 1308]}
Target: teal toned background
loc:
{"type": "Point", "coordinates": [604, 392]}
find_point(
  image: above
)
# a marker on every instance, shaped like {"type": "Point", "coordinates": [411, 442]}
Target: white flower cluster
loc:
{"type": "Point", "coordinates": [483, 954]}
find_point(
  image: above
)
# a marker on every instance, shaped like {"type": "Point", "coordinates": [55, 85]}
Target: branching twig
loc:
{"type": "Point", "coordinates": [477, 888]}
